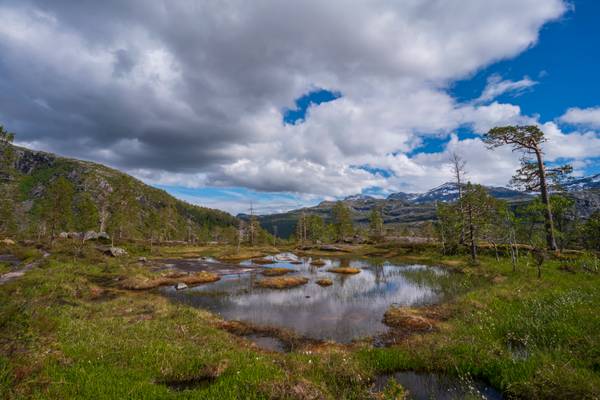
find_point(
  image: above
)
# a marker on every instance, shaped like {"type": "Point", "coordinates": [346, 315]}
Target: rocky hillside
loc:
{"type": "Point", "coordinates": [36, 170]}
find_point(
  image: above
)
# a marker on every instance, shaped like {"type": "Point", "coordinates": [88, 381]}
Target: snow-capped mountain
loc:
{"type": "Point", "coordinates": [588, 182]}
{"type": "Point", "coordinates": [449, 192]}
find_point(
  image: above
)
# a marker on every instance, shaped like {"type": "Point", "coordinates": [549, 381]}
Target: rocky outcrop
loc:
{"type": "Point", "coordinates": [26, 161]}
{"type": "Point", "coordinates": [117, 251]}
{"type": "Point", "coordinates": [85, 236]}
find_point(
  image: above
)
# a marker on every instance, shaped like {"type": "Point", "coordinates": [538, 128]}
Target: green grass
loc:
{"type": "Point", "coordinates": [68, 331]}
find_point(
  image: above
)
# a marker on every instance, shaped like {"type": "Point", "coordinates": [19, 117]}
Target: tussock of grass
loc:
{"type": "Point", "coordinates": [263, 261]}
{"type": "Point", "coordinates": [344, 270]}
{"type": "Point", "coordinates": [324, 282]}
{"type": "Point", "coordinates": [276, 271]}
{"type": "Point", "coordinates": [409, 319]}
{"type": "Point", "coordinates": [318, 263]}
{"type": "Point", "coordinates": [282, 282]}
{"type": "Point", "coordinates": [141, 282]}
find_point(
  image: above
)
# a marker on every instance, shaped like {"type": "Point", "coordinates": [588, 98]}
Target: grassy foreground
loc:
{"type": "Point", "coordinates": [68, 330]}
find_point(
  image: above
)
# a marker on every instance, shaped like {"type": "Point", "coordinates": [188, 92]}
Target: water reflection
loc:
{"type": "Point", "coordinates": [351, 308]}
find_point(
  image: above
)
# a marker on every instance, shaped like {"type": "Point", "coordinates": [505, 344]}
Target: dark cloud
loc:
{"type": "Point", "coordinates": [196, 87]}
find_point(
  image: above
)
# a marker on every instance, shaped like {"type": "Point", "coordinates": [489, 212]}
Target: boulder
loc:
{"type": "Point", "coordinates": [143, 259]}
{"type": "Point", "coordinates": [90, 235]}
{"type": "Point", "coordinates": [116, 251]}
{"type": "Point", "coordinates": [103, 235]}
{"type": "Point", "coordinates": [181, 286]}
{"type": "Point", "coordinates": [63, 235]}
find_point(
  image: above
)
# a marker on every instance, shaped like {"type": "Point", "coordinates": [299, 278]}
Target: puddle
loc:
{"type": "Point", "coordinates": [9, 259]}
{"type": "Point", "coordinates": [440, 387]}
{"type": "Point", "coordinates": [268, 343]}
{"type": "Point", "coordinates": [351, 308]}
{"type": "Point", "coordinates": [188, 384]}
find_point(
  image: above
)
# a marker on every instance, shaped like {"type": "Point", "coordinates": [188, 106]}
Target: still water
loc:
{"type": "Point", "coordinates": [351, 308]}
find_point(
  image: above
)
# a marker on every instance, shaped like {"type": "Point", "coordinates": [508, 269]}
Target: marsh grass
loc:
{"type": "Point", "coordinates": [344, 270]}
{"type": "Point", "coordinates": [282, 282]}
{"type": "Point", "coordinates": [142, 282]}
{"type": "Point", "coordinates": [276, 271]}
{"type": "Point", "coordinates": [59, 341]}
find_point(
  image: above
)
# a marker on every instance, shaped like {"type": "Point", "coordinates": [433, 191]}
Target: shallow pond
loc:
{"type": "Point", "coordinates": [440, 387]}
{"type": "Point", "coordinates": [351, 308]}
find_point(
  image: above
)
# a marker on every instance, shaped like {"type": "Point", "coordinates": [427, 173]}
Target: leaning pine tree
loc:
{"type": "Point", "coordinates": [533, 174]}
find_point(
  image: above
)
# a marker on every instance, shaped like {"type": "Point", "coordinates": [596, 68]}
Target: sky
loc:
{"type": "Point", "coordinates": [278, 105]}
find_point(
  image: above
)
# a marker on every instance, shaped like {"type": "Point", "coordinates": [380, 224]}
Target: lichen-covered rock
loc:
{"type": "Point", "coordinates": [117, 251]}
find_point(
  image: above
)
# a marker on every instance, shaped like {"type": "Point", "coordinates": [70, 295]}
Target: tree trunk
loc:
{"type": "Point", "coordinates": [496, 251]}
{"type": "Point", "coordinates": [550, 240]}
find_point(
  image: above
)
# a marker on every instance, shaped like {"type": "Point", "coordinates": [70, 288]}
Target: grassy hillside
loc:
{"type": "Point", "coordinates": [148, 209]}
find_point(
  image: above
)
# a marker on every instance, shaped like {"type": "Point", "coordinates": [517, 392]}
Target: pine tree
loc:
{"type": "Point", "coordinates": [86, 212]}
{"type": "Point", "coordinates": [57, 207]}
{"type": "Point", "coordinates": [477, 205]}
{"type": "Point", "coordinates": [8, 223]}
{"type": "Point", "coordinates": [376, 224]}
{"type": "Point", "coordinates": [533, 174]}
{"type": "Point", "coordinates": [342, 221]}
{"type": "Point", "coordinates": [124, 209]}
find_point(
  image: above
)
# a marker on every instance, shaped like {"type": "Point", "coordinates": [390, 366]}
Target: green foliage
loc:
{"type": "Point", "coordinates": [533, 175]}
{"type": "Point", "coordinates": [56, 207]}
{"type": "Point", "coordinates": [477, 214]}
{"type": "Point", "coordinates": [311, 228]}
{"type": "Point", "coordinates": [376, 224]}
{"type": "Point", "coordinates": [8, 223]}
{"type": "Point", "coordinates": [86, 213]}
{"type": "Point", "coordinates": [342, 221]}
{"type": "Point", "coordinates": [124, 209]}
{"type": "Point", "coordinates": [591, 232]}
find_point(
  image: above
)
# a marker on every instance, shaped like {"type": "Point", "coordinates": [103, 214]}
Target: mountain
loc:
{"type": "Point", "coordinates": [410, 209]}
{"type": "Point", "coordinates": [449, 192]}
{"type": "Point", "coordinates": [359, 197]}
{"type": "Point", "coordinates": [586, 183]}
{"type": "Point", "coordinates": [36, 170]}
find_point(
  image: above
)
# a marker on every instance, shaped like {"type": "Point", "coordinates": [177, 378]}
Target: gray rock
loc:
{"type": "Point", "coordinates": [103, 235]}
{"type": "Point", "coordinates": [181, 286]}
{"type": "Point", "coordinates": [63, 235]}
{"type": "Point", "coordinates": [142, 259]}
{"type": "Point", "coordinates": [90, 235]}
{"type": "Point", "coordinates": [117, 251]}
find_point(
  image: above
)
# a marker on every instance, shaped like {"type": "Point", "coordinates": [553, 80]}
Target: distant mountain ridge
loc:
{"type": "Point", "coordinates": [414, 208]}
{"type": "Point", "coordinates": [449, 192]}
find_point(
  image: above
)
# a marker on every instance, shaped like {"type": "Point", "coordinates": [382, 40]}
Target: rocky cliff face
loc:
{"type": "Point", "coordinates": [27, 161]}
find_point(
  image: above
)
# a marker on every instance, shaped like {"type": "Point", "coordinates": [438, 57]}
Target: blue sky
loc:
{"type": "Point", "coordinates": [227, 107]}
